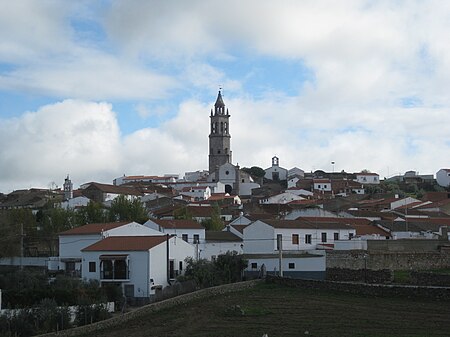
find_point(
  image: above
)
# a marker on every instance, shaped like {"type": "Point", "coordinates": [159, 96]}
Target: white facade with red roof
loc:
{"type": "Point", "coordinates": [72, 241]}
{"type": "Point", "coordinates": [443, 177]}
{"type": "Point", "coordinates": [140, 264]}
{"type": "Point", "coordinates": [188, 230]}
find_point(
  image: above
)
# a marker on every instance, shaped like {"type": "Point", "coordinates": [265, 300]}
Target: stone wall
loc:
{"type": "Point", "coordinates": [372, 290]}
{"type": "Point", "coordinates": [378, 260]}
{"type": "Point", "coordinates": [430, 279]}
{"type": "Point", "coordinates": [360, 275]}
{"type": "Point", "coordinates": [154, 307]}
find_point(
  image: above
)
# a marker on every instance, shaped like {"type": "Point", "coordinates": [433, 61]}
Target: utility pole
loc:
{"type": "Point", "coordinates": [21, 246]}
{"type": "Point", "coordinates": [280, 253]}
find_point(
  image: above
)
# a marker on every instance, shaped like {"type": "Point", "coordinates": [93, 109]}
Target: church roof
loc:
{"type": "Point", "coordinates": [219, 100]}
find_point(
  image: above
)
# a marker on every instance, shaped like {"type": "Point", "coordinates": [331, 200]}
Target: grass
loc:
{"type": "Point", "coordinates": [284, 311]}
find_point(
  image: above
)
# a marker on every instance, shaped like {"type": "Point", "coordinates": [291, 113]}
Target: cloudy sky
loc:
{"type": "Point", "coordinates": [98, 89]}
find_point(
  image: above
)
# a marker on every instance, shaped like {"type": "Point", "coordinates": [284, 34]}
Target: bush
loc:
{"type": "Point", "coordinates": [91, 313]}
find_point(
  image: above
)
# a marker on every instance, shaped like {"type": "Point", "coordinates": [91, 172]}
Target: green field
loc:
{"type": "Point", "coordinates": [282, 311]}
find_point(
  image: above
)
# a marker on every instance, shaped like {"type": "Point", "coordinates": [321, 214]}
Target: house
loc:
{"type": "Point", "coordinates": [170, 178]}
{"type": "Point", "coordinates": [367, 178]}
{"type": "Point", "coordinates": [290, 247]}
{"type": "Point", "coordinates": [196, 193]}
{"type": "Point", "coordinates": [282, 198]}
{"type": "Point", "coordinates": [297, 235]}
{"type": "Point", "coordinates": [72, 241]}
{"type": "Point", "coordinates": [104, 192]}
{"type": "Point", "coordinates": [443, 177]}
{"type": "Point", "coordinates": [187, 230]}
{"type": "Point", "coordinates": [275, 172]}
{"type": "Point", "coordinates": [220, 242]}
{"type": "Point", "coordinates": [322, 185]}
{"type": "Point", "coordinates": [140, 265]}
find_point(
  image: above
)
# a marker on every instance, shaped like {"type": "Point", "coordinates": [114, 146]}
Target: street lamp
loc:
{"type": "Point", "coordinates": [332, 163]}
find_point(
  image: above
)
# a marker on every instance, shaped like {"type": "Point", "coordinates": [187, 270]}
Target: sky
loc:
{"type": "Point", "coordinates": [99, 89]}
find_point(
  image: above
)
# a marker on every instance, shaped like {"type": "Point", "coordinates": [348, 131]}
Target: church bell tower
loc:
{"type": "Point", "coordinates": [219, 137]}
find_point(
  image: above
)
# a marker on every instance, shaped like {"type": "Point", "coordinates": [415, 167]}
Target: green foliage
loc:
{"type": "Point", "coordinates": [130, 210]}
{"type": "Point", "coordinates": [254, 171]}
{"type": "Point", "coordinates": [91, 313]}
{"type": "Point", "coordinates": [28, 288]}
{"type": "Point", "coordinates": [215, 223]}
{"type": "Point", "coordinates": [230, 267]}
{"type": "Point", "coordinates": [182, 214]}
{"type": "Point", "coordinates": [51, 221]}
{"type": "Point", "coordinates": [226, 269]}
{"type": "Point", "coordinates": [46, 317]}
{"type": "Point", "coordinates": [94, 212]}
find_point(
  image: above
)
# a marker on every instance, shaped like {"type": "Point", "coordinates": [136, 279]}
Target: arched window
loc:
{"type": "Point", "coordinates": [226, 127]}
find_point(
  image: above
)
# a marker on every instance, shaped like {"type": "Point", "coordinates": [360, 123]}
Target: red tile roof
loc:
{"type": "Point", "coordinates": [179, 224]}
{"type": "Point", "coordinates": [93, 228]}
{"type": "Point", "coordinates": [126, 243]}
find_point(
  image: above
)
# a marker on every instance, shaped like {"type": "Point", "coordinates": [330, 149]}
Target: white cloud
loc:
{"type": "Point", "coordinates": [75, 137]}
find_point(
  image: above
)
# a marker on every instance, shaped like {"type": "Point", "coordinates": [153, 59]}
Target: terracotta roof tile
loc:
{"type": "Point", "coordinates": [93, 228]}
{"type": "Point", "coordinates": [126, 243]}
{"type": "Point", "coordinates": [179, 224]}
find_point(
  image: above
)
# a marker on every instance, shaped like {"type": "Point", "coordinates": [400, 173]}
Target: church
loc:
{"type": "Point", "coordinates": [221, 168]}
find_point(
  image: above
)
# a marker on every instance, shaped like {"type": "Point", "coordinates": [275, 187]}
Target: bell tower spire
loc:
{"type": "Point", "coordinates": [219, 137]}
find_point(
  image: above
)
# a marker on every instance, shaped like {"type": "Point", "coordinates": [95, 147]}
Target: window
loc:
{"type": "Point", "coordinates": [291, 265]}
{"type": "Point", "coordinates": [180, 268]}
{"type": "Point", "coordinates": [196, 238]}
{"type": "Point", "coordinates": [336, 236]}
{"type": "Point", "coordinates": [92, 267]}
{"type": "Point", "coordinates": [279, 241]}
{"type": "Point", "coordinates": [350, 236]}
{"type": "Point", "coordinates": [70, 266]}
{"type": "Point", "coordinates": [184, 237]}
{"type": "Point", "coordinates": [318, 186]}
{"type": "Point", "coordinates": [295, 239]}
{"type": "Point", "coordinates": [254, 265]}
{"type": "Point", "coordinates": [324, 237]}
{"type": "Point", "coordinates": [308, 239]}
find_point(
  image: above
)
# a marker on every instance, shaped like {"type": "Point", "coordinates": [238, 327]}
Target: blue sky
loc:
{"type": "Point", "coordinates": [99, 89]}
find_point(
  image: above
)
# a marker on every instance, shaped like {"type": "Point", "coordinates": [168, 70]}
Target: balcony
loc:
{"type": "Point", "coordinates": [114, 268]}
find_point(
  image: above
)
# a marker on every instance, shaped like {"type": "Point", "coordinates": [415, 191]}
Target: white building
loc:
{"type": "Point", "coordinates": [169, 178]}
{"type": "Point", "coordinates": [322, 185]}
{"type": "Point", "coordinates": [443, 177]}
{"type": "Point", "coordinates": [218, 243]}
{"type": "Point", "coordinates": [72, 241]}
{"type": "Point", "coordinates": [187, 230]}
{"type": "Point", "coordinates": [197, 193]}
{"type": "Point", "coordinates": [298, 241]}
{"type": "Point", "coordinates": [297, 235]}
{"type": "Point", "coordinates": [275, 172]}
{"type": "Point", "coordinates": [282, 198]}
{"type": "Point", "coordinates": [75, 202]}
{"type": "Point", "coordinates": [367, 178]}
{"type": "Point", "coordinates": [140, 264]}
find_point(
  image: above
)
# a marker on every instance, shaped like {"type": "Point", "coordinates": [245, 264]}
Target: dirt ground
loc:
{"type": "Point", "coordinates": [282, 311]}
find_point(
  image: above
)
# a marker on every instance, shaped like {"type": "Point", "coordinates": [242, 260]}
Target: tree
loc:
{"type": "Point", "coordinates": [129, 210]}
{"type": "Point", "coordinates": [182, 214]}
{"type": "Point", "coordinates": [94, 212]}
{"type": "Point", "coordinates": [215, 223]}
{"type": "Point", "coordinates": [254, 171]}
{"type": "Point", "coordinates": [53, 220]}
{"type": "Point", "coordinates": [230, 266]}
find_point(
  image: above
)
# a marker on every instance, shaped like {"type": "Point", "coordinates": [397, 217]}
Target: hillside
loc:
{"type": "Point", "coordinates": [282, 311]}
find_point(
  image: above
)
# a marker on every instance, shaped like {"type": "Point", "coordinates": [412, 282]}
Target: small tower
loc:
{"type": "Point", "coordinates": [68, 189]}
{"type": "Point", "coordinates": [275, 161]}
{"type": "Point", "coordinates": [219, 137]}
